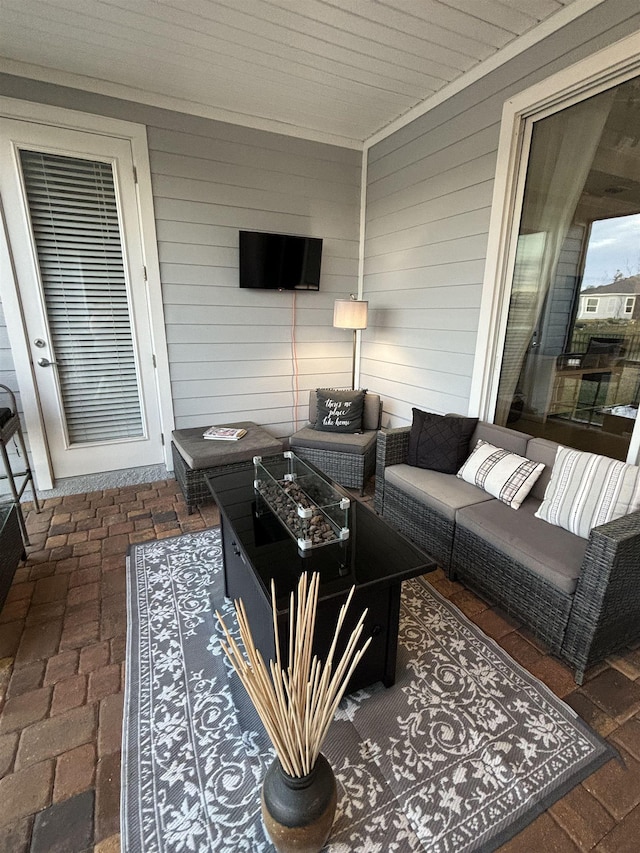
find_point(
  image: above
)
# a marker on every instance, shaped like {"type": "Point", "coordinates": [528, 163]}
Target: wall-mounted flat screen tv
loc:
{"type": "Point", "coordinates": [279, 261]}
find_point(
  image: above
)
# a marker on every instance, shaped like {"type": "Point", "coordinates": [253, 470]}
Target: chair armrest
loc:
{"type": "Point", "coordinates": [605, 614]}
{"type": "Point", "coordinates": [392, 446]}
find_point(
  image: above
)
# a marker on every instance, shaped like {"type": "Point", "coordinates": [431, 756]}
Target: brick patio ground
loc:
{"type": "Point", "coordinates": [62, 650]}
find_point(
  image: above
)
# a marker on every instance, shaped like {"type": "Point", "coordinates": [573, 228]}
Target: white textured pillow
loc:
{"type": "Point", "coordinates": [587, 490]}
{"type": "Point", "coordinates": [504, 475]}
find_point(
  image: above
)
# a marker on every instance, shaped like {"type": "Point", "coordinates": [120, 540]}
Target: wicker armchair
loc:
{"type": "Point", "coordinates": [348, 459]}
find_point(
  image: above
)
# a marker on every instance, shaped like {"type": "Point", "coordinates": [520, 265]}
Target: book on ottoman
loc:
{"type": "Point", "coordinates": [224, 433]}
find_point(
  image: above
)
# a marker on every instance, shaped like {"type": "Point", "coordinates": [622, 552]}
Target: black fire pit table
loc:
{"type": "Point", "coordinates": [337, 536]}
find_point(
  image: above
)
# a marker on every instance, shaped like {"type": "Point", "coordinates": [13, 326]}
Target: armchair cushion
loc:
{"type": "Point", "coordinates": [339, 411]}
{"type": "Point", "coordinates": [356, 443]}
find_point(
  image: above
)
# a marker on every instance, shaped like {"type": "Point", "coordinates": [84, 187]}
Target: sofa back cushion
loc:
{"type": "Point", "coordinates": [371, 414]}
{"type": "Point", "coordinates": [500, 436]}
{"type": "Point", "coordinates": [542, 450]}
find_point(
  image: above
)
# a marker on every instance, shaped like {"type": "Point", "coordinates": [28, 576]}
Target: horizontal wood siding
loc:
{"type": "Point", "coordinates": [429, 194]}
{"type": "Point", "coordinates": [232, 352]}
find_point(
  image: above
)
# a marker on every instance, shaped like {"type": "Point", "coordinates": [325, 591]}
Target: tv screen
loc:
{"type": "Point", "coordinates": [279, 261]}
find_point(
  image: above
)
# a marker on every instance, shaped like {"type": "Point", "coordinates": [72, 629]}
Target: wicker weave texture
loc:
{"type": "Point", "coordinates": [392, 448]}
{"type": "Point", "coordinates": [428, 529]}
{"type": "Point", "coordinates": [192, 482]}
{"type": "Point", "coordinates": [603, 615]}
{"type": "Point", "coordinates": [530, 598]}
{"type": "Point", "coordinates": [606, 608]}
{"type": "Point", "coordinates": [422, 524]}
{"type": "Point", "coordinates": [351, 470]}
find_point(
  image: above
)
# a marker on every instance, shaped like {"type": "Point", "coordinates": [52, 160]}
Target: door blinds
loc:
{"type": "Point", "coordinates": [76, 228]}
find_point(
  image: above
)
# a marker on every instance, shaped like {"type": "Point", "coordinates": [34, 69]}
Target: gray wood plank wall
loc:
{"type": "Point", "coordinates": [429, 197]}
{"type": "Point", "coordinates": [230, 350]}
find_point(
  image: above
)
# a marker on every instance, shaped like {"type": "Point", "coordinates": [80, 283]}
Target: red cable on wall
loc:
{"type": "Point", "coordinates": [294, 360]}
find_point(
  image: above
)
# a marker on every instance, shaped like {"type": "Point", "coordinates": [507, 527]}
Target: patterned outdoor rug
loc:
{"type": "Point", "coordinates": [464, 751]}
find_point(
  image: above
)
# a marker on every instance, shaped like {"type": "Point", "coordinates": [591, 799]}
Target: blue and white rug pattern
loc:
{"type": "Point", "coordinates": [460, 754]}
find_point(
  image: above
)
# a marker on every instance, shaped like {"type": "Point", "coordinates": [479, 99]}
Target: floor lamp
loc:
{"type": "Point", "coordinates": [350, 314]}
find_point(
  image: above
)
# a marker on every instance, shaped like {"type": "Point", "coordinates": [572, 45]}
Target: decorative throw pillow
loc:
{"type": "Point", "coordinates": [339, 411]}
{"type": "Point", "coordinates": [586, 490]}
{"type": "Point", "coordinates": [439, 442]}
{"type": "Point", "coordinates": [504, 475]}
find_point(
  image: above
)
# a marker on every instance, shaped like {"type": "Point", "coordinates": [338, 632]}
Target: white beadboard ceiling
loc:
{"type": "Point", "coordinates": [340, 71]}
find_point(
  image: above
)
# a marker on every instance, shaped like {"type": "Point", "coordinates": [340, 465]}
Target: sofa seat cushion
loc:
{"type": "Point", "coordinates": [356, 443]}
{"type": "Point", "coordinates": [550, 552]}
{"type": "Point", "coordinates": [444, 493]}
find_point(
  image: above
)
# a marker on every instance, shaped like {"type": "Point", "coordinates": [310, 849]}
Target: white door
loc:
{"type": "Point", "coordinates": [73, 227]}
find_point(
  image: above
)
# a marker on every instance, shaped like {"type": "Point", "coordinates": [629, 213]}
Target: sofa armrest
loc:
{"type": "Point", "coordinates": [605, 614]}
{"type": "Point", "coordinates": [392, 447]}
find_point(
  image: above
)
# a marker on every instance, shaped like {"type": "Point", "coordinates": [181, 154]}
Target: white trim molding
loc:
{"type": "Point", "coordinates": [600, 71]}
{"type": "Point", "coordinates": [136, 136]}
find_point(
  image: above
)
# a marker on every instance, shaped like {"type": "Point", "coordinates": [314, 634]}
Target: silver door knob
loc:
{"type": "Point", "coordinates": [44, 362]}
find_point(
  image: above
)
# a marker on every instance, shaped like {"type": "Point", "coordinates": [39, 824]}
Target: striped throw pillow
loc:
{"type": "Point", "coordinates": [504, 475]}
{"type": "Point", "coordinates": [587, 490]}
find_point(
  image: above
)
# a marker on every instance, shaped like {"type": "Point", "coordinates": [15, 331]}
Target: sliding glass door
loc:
{"type": "Point", "coordinates": [571, 363]}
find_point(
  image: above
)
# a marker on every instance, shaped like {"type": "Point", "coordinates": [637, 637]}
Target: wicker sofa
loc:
{"type": "Point", "coordinates": [580, 597]}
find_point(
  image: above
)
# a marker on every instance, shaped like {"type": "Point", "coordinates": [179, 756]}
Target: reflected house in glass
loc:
{"type": "Point", "coordinates": [619, 300]}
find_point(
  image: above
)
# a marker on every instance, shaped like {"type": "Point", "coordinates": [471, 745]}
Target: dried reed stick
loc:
{"type": "Point", "coordinates": [296, 705]}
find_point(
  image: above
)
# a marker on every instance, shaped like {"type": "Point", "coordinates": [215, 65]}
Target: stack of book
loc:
{"type": "Point", "coordinates": [224, 433]}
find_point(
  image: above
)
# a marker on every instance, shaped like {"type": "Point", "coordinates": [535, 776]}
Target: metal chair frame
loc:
{"type": "Point", "coordinates": [13, 430]}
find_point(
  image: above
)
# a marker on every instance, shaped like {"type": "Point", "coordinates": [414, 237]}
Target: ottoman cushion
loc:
{"type": "Point", "coordinates": [199, 452]}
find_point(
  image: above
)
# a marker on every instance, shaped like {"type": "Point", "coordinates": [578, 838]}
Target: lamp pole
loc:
{"type": "Point", "coordinates": [351, 314]}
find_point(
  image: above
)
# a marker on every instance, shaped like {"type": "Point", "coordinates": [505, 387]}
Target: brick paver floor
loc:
{"type": "Point", "coordinates": [62, 648]}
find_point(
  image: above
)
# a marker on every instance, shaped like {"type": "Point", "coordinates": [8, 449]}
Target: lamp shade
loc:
{"type": "Point", "coordinates": [350, 314]}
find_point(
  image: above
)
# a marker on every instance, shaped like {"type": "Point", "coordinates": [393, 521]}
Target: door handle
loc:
{"type": "Point", "coordinates": [44, 362]}
{"type": "Point", "coordinates": [237, 551]}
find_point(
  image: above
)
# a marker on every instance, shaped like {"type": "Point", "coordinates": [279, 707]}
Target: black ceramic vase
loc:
{"type": "Point", "coordinates": [298, 812]}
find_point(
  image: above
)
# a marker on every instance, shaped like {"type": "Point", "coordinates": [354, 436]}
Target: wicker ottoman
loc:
{"type": "Point", "coordinates": [195, 457]}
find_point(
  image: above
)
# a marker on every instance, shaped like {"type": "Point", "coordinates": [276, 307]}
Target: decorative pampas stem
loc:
{"type": "Point", "coordinates": [296, 704]}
